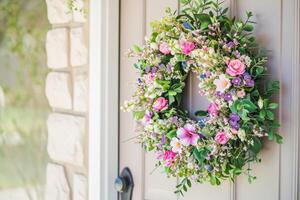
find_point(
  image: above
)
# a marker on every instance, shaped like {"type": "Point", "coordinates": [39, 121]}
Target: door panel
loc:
{"type": "Point", "coordinates": [151, 183]}
{"type": "Point", "coordinates": [132, 32]}
{"type": "Point", "coordinates": [268, 15]}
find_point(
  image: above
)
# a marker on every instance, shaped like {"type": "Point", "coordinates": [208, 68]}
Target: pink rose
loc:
{"type": "Point", "coordinates": [187, 47]}
{"type": "Point", "coordinates": [221, 137]}
{"type": "Point", "coordinates": [213, 109]}
{"type": "Point", "coordinates": [235, 67]}
{"type": "Point", "coordinates": [169, 157]}
{"type": "Point", "coordinates": [164, 48]}
{"type": "Point", "coordinates": [160, 104]}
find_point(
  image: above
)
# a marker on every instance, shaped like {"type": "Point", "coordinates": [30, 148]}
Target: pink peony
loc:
{"type": "Point", "coordinates": [164, 48]}
{"type": "Point", "coordinates": [213, 109]}
{"type": "Point", "coordinates": [221, 137]}
{"type": "Point", "coordinates": [187, 47]}
{"type": "Point", "coordinates": [160, 104]}
{"type": "Point", "coordinates": [169, 157]}
{"type": "Point", "coordinates": [188, 135]}
{"type": "Point", "coordinates": [235, 67]}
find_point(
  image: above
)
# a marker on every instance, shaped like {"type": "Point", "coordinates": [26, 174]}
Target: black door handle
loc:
{"type": "Point", "coordinates": [124, 184]}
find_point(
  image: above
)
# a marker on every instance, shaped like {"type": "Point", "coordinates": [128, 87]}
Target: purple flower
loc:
{"type": "Point", "coordinates": [147, 69]}
{"type": "Point", "coordinates": [249, 83]}
{"type": "Point", "coordinates": [219, 94]}
{"type": "Point", "coordinates": [188, 135]}
{"type": "Point", "coordinates": [234, 117]}
{"type": "Point", "coordinates": [234, 124]}
{"type": "Point", "coordinates": [236, 81]}
{"type": "Point", "coordinates": [228, 97]}
{"type": "Point", "coordinates": [208, 74]}
{"type": "Point", "coordinates": [230, 45]}
{"type": "Point", "coordinates": [163, 140]}
{"type": "Point", "coordinates": [174, 119]}
{"type": "Point", "coordinates": [169, 67]}
{"type": "Point", "coordinates": [247, 76]}
{"type": "Point", "coordinates": [237, 54]}
{"type": "Point", "coordinates": [154, 69]}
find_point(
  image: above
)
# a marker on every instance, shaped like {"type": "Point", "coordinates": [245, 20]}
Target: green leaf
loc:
{"type": "Point", "coordinates": [171, 134]}
{"type": "Point", "coordinates": [259, 70]}
{"type": "Point", "coordinates": [270, 135]}
{"type": "Point", "coordinates": [248, 105]}
{"type": "Point", "coordinates": [171, 93]}
{"type": "Point", "coordinates": [270, 115]}
{"type": "Point", "coordinates": [248, 28]}
{"type": "Point", "coordinates": [201, 113]}
{"type": "Point", "coordinates": [256, 147]}
{"type": "Point", "coordinates": [278, 138]}
{"type": "Point", "coordinates": [171, 99]}
{"type": "Point", "coordinates": [189, 183]}
{"type": "Point", "coordinates": [200, 154]}
{"type": "Point", "coordinates": [262, 114]}
{"type": "Point", "coordinates": [273, 106]}
{"type": "Point", "coordinates": [139, 115]}
{"type": "Point", "coordinates": [137, 48]}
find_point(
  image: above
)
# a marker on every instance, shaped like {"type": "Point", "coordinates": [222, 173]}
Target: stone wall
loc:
{"type": "Point", "coordinates": [67, 93]}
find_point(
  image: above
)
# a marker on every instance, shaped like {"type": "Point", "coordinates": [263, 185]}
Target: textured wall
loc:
{"type": "Point", "coordinates": [67, 93]}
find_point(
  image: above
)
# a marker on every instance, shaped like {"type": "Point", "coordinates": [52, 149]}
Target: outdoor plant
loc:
{"type": "Point", "coordinates": [224, 139]}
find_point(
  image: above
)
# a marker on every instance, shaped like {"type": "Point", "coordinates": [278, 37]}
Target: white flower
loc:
{"type": "Point", "coordinates": [176, 145]}
{"type": "Point", "coordinates": [242, 134]}
{"type": "Point", "coordinates": [222, 83]}
{"type": "Point", "coordinates": [260, 103]}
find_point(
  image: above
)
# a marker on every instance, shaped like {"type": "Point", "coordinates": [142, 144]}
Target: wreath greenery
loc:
{"type": "Point", "coordinates": [222, 51]}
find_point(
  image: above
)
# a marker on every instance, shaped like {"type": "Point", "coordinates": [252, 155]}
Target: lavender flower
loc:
{"type": "Point", "coordinates": [169, 67]}
{"type": "Point", "coordinates": [163, 140]}
{"type": "Point", "coordinates": [249, 83]}
{"type": "Point", "coordinates": [147, 69]}
{"type": "Point", "coordinates": [247, 76]}
{"type": "Point", "coordinates": [219, 94]}
{"type": "Point", "coordinates": [154, 69]}
{"type": "Point", "coordinates": [228, 97]}
{"type": "Point", "coordinates": [234, 117]}
{"type": "Point", "coordinates": [236, 81]}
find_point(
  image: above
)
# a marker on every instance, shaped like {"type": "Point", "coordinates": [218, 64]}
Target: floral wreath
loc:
{"type": "Point", "coordinates": [219, 143]}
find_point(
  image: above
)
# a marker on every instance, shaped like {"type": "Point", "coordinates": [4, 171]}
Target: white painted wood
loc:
{"type": "Point", "coordinates": [103, 98]}
{"type": "Point", "coordinates": [268, 33]}
{"type": "Point", "coordinates": [132, 32]}
{"type": "Point", "coordinates": [289, 71]}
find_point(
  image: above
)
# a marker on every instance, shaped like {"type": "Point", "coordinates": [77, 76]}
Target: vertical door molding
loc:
{"type": "Point", "coordinates": [103, 98]}
{"type": "Point", "coordinates": [290, 89]}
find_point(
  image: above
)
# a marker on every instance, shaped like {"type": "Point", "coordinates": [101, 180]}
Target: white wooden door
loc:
{"type": "Point", "coordinates": [278, 23]}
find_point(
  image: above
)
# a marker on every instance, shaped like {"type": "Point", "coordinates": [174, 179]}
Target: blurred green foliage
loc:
{"type": "Point", "coordinates": [23, 27]}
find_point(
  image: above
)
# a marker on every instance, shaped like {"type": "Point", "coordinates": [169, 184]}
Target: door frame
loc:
{"type": "Point", "coordinates": [103, 98]}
